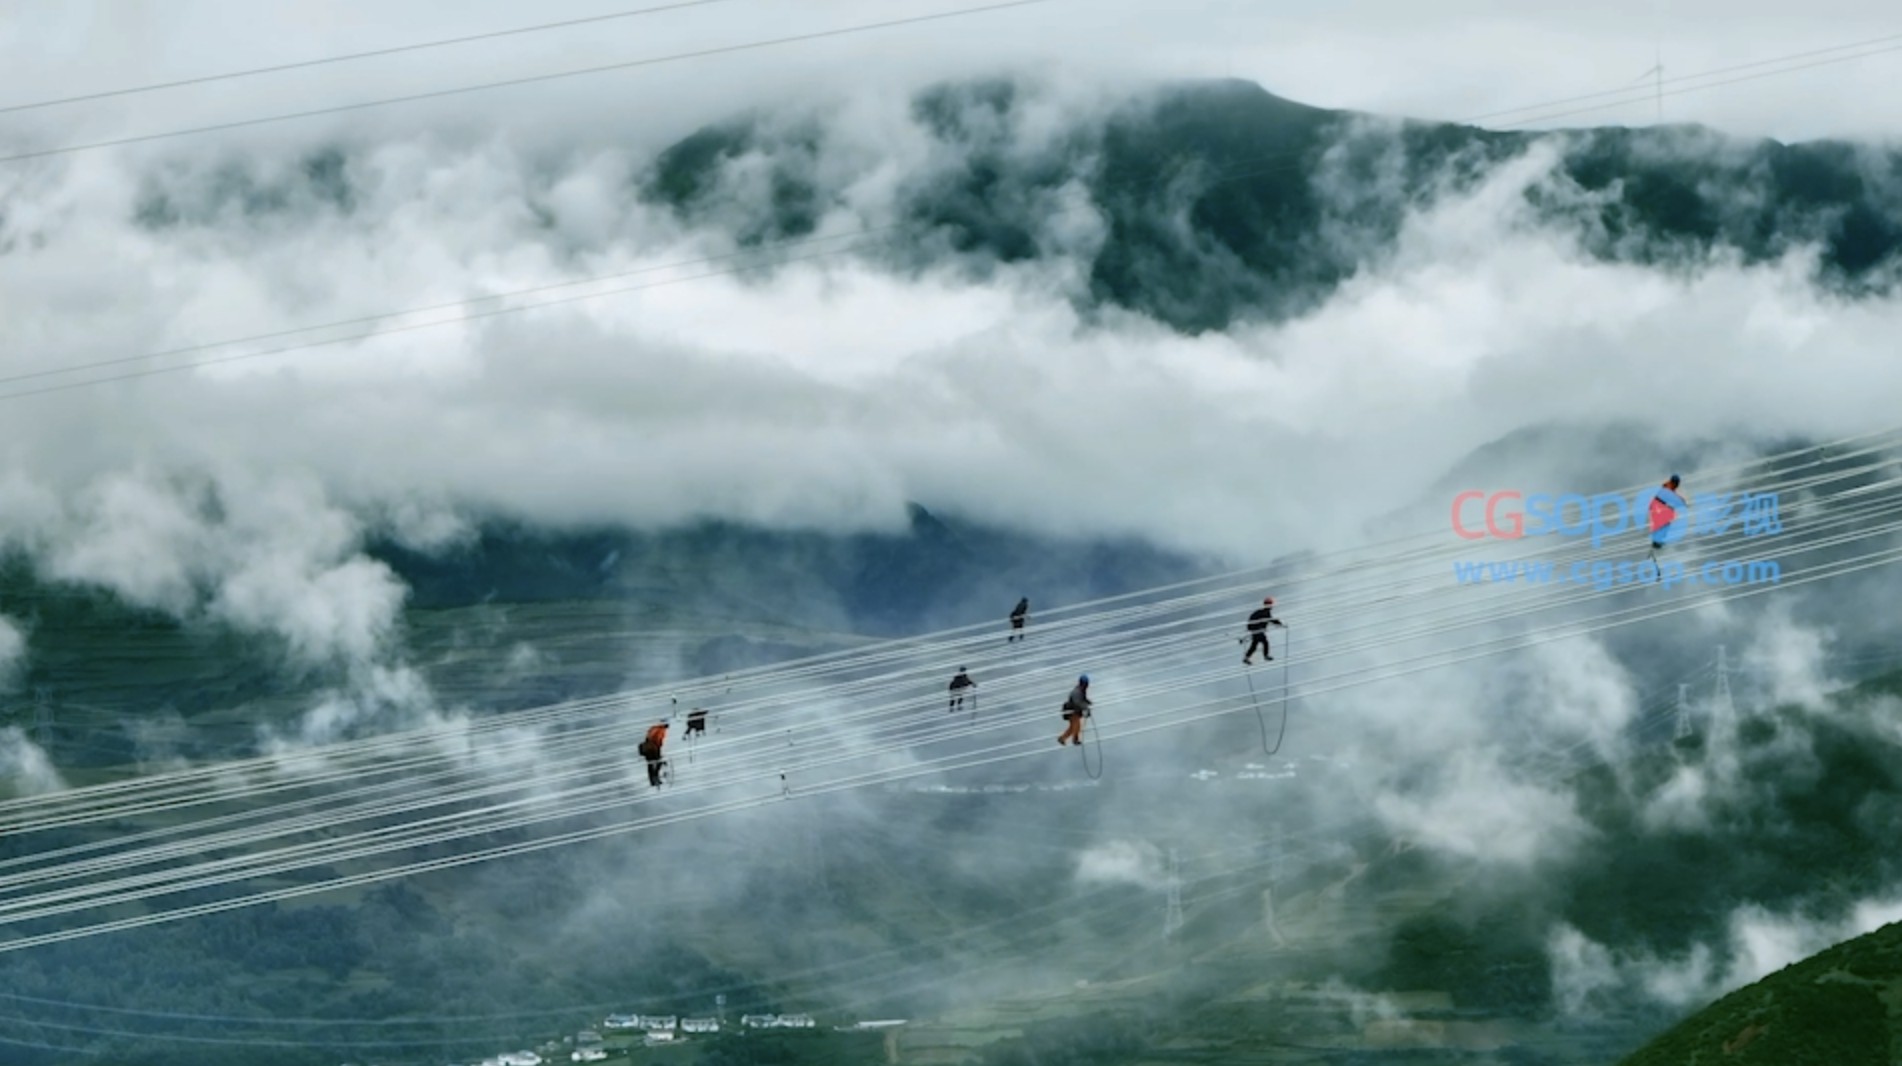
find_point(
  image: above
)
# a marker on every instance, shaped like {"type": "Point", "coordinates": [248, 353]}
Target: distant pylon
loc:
{"type": "Point", "coordinates": [1268, 922]}
{"type": "Point", "coordinates": [42, 716]}
{"type": "Point", "coordinates": [1721, 703]}
{"type": "Point", "coordinates": [1658, 71]}
{"type": "Point", "coordinates": [1172, 917]}
{"type": "Point", "coordinates": [1683, 712]}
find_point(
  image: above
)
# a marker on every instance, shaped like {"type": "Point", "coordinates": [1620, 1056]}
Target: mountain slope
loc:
{"type": "Point", "coordinates": [1842, 1007]}
{"type": "Point", "coordinates": [1222, 203]}
{"type": "Point", "coordinates": [1201, 204]}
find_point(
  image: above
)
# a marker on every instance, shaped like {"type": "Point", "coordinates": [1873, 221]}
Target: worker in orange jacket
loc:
{"type": "Point", "coordinates": [1075, 709]}
{"type": "Point", "coordinates": [650, 750]}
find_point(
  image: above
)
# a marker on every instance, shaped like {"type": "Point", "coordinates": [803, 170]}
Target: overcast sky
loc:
{"type": "Point", "coordinates": [1449, 60]}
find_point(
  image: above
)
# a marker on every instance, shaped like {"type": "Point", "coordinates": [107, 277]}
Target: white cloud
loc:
{"type": "Point", "coordinates": [13, 652]}
{"type": "Point", "coordinates": [24, 766]}
{"type": "Point", "coordinates": [1122, 862]}
{"type": "Point", "coordinates": [1756, 943]}
{"type": "Point", "coordinates": [1475, 810]}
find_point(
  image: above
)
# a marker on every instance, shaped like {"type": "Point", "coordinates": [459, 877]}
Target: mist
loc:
{"type": "Point", "coordinates": [878, 276]}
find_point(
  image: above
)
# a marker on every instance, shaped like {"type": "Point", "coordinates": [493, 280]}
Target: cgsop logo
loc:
{"type": "Point", "coordinates": [1511, 515]}
{"type": "Point", "coordinates": [1607, 575]}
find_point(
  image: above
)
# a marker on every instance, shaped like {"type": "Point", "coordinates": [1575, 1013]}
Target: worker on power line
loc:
{"type": "Point", "coordinates": [1018, 615]}
{"type": "Point", "coordinates": [1258, 624]}
{"type": "Point", "coordinates": [1665, 503]}
{"type": "Point", "coordinates": [958, 685]}
{"type": "Point", "coordinates": [1075, 709]}
{"type": "Point", "coordinates": [650, 750]}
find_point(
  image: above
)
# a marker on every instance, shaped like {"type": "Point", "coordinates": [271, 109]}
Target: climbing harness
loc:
{"type": "Point", "coordinates": [1083, 748]}
{"type": "Point", "coordinates": [1287, 651]}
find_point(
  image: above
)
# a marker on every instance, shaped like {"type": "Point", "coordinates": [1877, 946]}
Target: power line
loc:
{"type": "Point", "coordinates": [373, 53]}
{"type": "Point", "coordinates": [1787, 58]}
{"type": "Point", "coordinates": [1277, 839]}
{"type": "Point", "coordinates": [1087, 628]}
{"type": "Point", "coordinates": [529, 80]}
{"type": "Point", "coordinates": [1711, 85]}
{"type": "Point", "coordinates": [1167, 718]}
{"type": "Point", "coordinates": [447, 306]}
{"type": "Point", "coordinates": [390, 330]}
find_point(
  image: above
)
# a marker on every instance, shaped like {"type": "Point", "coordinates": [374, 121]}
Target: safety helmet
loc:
{"type": "Point", "coordinates": [962, 669]}
{"type": "Point", "coordinates": [1084, 680]}
{"type": "Point", "coordinates": [1674, 479]}
{"type": "Point", "coordinates": [1268, 600]}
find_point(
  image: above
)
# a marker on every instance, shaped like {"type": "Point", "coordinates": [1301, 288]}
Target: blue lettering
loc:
{"type": "Point", "coordinates": [1538, 513]}
{"type": "Point", "coordinates": [1573, 529]}
{"type": "Point", "coordinates": [1602, 528]}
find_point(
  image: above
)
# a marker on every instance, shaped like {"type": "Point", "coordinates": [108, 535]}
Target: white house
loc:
{"type": "Point", "coordinates": [622, 1021]}
{"type": "Point", "coordinates": [795, 1021]}
{"type": "Point", "coordinates": [653, 1022]}
{"type": "Point", "coordinates": [884, 1024]}
{"type": "Point", "coordinates": [699, 1025]}
{"type": "Point", "coordinates": [521, 1058]}
{"type": "Point", "coordinates": [659, 1036]}
{"type": "Point", "coordinates": [759, 1021]}
{"type": "Point", "coordinates": [589, 1054]}
{"type": "Point", "coordinates": [587, 1038]}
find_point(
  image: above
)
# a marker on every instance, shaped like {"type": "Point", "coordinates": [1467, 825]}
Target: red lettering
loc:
{"type": "Point", "coordinates": [1458, 529]}
{"type": "Point", "coordinates": [1518, 519]}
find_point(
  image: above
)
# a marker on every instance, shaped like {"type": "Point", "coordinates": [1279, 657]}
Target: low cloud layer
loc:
{"type": "Point", "coordinates": [826, 394]}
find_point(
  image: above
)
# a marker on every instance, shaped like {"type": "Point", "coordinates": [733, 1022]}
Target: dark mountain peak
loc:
{"type": "Point", "coordinates": [1224, 203]}
{"type": "Point", "coordinates": [1240, 94]}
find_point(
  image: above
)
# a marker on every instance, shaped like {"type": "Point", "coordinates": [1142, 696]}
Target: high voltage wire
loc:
{"type": "Point", "coordinates": [962, 935]}
{"type": "Point", "coordinates": [469, 317]}
{"type": "Point", "coordinates": [579, 743]}
{"type": "Point", "coordinates": [1649, 88]}
{"type": "Point", "coordinates": [348, 771]}
{"type": "Point", "coordinates": [336, 1023]}
{"type": "Point", "coordinates": [426, 738]}
{"type": "Point", "coordinates": [983, 757]}
{"type": "Point", "coordinates": [1223, 706]}
{"type": "Point", "coordinates": [1641, 99]}
{"type": "Point", "coordinates": [448, 306]}
{"type": "Point", "coordinates": [1037, 913]}
{"type": "Point", "coordinates": [1278, 162]}
{"type": "Point", "coordinates": [436, 94]}
{"type": "Point", "coordinates": [352, 56]}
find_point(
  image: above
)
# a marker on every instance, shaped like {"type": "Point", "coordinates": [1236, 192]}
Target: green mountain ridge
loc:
{"type": "Point", "coordinates": [1224, 203]}
{"type": "Point", "coordinates": [1840, 1007]}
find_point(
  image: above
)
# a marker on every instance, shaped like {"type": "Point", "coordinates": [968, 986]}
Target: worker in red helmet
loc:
{"type": "Point", "coordinates": [1258, 624]}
